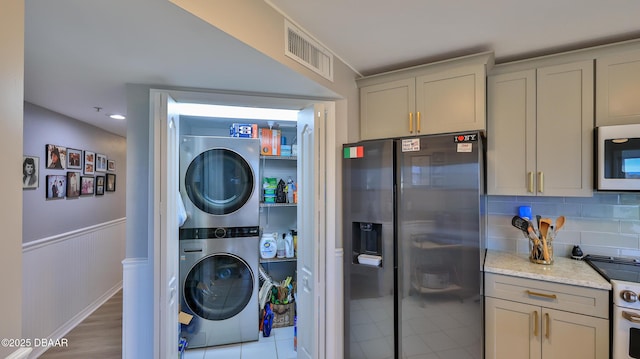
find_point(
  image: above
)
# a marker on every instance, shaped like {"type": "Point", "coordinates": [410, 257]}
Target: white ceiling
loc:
{"type": "Point", "coordinates": [81, 54]}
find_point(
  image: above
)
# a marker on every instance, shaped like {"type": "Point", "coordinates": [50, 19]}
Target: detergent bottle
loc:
{"type": "Point", "coordinates": [268, 245]}
{"type": "Point", "coordinates": [288, 248]}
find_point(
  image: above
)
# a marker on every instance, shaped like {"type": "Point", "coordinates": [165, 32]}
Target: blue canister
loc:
{"type": "Point", "coordinates": [525, 212]}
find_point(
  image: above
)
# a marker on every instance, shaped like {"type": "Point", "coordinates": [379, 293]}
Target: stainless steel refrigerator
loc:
{"type": "Point", "coordinates": [413, 247]}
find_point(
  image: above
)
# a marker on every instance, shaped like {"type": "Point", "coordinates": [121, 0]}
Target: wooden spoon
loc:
{"type": "Point", "coordinates": [544, 228]}
{"type": "Point", "coordinates": [559, 223]}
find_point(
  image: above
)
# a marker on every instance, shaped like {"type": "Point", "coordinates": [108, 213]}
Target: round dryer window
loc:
{"type": "Point", "coordinates": [219, 181]}
{"type": "Point", "coordinates": [218, 287]}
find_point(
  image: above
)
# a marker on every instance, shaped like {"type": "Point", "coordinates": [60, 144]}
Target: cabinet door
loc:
{"type": "Point", "coordinates": [451, 101]}
{"type": "Point", "coordinates": [512, 330]}
{"type": "Point", "coordinates": [565, 130]}
{"type": "Point", "coordinates": [570, 335]}
{"type": "Point", "coordinates": [511, 123]}
{"type": "Point", "coordinates": [385, 109]}
{"type": "Point", "coordinates": [618, 89]}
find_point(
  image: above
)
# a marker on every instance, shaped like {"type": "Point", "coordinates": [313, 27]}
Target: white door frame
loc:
{"type": "Point", "coordinates": [327, 335]}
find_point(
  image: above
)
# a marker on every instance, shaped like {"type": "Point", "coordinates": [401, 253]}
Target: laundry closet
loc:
{"type": "Point", "coordinates": [238, 184]}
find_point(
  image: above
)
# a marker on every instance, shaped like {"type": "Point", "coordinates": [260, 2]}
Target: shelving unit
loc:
{"type": "Point", "coordinates": [278, 217]}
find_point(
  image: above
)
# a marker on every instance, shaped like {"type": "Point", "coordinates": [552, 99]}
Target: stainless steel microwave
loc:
{"type": "Point", "coordinates": [618, 157]}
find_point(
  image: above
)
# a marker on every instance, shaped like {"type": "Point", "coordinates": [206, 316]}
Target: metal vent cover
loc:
{"type": "Point", "coordinates": [302, 48]}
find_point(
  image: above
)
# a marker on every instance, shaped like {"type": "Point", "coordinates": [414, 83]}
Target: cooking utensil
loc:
{"type": "Point", "coordinates": [544, 229]}
{"type": "Point", "coordinates": [520, 223]}
{"type": "Point", "coordinates": [559, 223]}
{"type": "Point", "coordinates": [538, 219]}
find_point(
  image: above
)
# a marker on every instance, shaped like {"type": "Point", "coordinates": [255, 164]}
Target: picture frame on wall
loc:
{"type": "Point", "coordinates": [101, 163]}
{"type": "Point", "coordinates": [86, 185]}
{"type": "Point", "coordinates": [56, 157]}
{"type": "Point", "coordinates": [89, 162]}
{"type": "Point", "coordinates": [99, 185]}
{"type": "Point", "coordinates": [56, 186]}
{"type": "Point", "coordinates": [74, 159]}
{"type": "Point", "coordinates": [111, 182]}
{"type": "Point", "coordinates": [111, 165]}
{"type": "Point", "coordinates": [30, 172]}
{"type": "Point", "coordinates": [73, 184]}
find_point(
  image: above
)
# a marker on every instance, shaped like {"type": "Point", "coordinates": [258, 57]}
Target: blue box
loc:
{"type": "Point", "coordinates": [244, 130]}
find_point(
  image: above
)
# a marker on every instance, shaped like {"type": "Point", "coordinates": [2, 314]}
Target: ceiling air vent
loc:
{"type": "Point", "coordinates": [302, 48]}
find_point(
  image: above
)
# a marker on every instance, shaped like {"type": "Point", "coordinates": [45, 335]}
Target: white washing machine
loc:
{"type": "Point", "coordinates": [219, 181]}
{"type": "Point", "coordinates": [219, 285]}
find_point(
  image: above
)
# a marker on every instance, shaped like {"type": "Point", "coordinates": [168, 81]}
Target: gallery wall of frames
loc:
{"type": "Point", "coordinates": [74, 172]}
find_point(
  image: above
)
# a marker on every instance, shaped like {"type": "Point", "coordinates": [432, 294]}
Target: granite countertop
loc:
{"type": "Point", "coordinates": [563, 270]}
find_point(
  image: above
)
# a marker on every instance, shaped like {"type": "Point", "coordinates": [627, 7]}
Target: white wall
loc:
{"type": "Point", "coordinates": [11, 102]}
{"type": "Point", "coordinates": [44, 217]}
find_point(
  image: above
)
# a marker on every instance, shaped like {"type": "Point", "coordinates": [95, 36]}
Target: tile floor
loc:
{"type": "Point", "coordinates": [279, 345]}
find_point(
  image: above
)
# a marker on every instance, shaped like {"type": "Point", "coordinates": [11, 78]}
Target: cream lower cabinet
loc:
{"type": "Point", "coordinates": [539, 131]}
{"type": "Point", "coordinates": [449, 96]}
{"type": "Point", "coordinates": [534, 319]}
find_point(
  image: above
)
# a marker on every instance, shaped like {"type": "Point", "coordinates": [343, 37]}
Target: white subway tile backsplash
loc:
{"type": "Point", "coordinates": [630, 227]}
{"type": "Point", "coordinates": [616, 240]}
{"type": "Point", "coordinates": [606, 224]}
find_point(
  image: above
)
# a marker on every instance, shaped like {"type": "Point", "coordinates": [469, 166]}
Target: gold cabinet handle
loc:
{"type": "Point", "coordinates": [631, 317]}
{"type": "Point", "coordinates": [543, 295]}
{"type": "Point", "coordinates": [546, 317]}
{"type": "Point", "coordinates": [410, 122]}
{"type": "Point", "coordinates": [418, 122]}
{"type": "Point", "coordinates": [540, 181]}
{"type": "Point", "coordinates": [535, 323]}
{"type": "Point", "coordinates": [530, 184]}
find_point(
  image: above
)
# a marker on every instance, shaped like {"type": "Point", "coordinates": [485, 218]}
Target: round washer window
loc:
{"type": "Point", "coordinates": [218, 287]}
{"type": "Point", "coordinates": [219, 181]}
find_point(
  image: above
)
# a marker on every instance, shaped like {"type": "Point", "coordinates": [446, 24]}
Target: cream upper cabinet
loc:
{"type": "Point", "coordinates": [527, 318]}
{"type": "Point", "coordinates": [618, 89]}
{"type": "Point", "coordinates": [385, 109]}
{"type": "Point", "coordinates": [448, 96]}
{"type": "Point", "coordinates": [452, 100]}
{"type": "Point", "coordinates": [539, 131]}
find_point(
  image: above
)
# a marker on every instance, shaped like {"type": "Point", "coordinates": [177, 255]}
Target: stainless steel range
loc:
{"type": "Point", "coordinates": [624, 275]}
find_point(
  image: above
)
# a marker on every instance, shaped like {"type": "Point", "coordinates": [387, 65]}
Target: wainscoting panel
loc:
{"type": "Point", "coordinates": [67, 277]}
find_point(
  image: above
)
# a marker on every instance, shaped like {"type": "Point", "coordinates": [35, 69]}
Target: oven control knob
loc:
{"type": "Point", "coordinates": [628, 296]}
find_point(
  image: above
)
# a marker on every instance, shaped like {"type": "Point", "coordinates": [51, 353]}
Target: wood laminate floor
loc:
{"type": "Point", "coordinates": [97, 337]}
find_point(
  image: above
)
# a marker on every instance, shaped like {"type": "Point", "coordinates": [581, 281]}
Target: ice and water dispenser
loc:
{"type": "Point", "coordinates": [367, 243]}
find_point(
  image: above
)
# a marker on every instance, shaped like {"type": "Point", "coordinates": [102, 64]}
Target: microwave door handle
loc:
{"type": "Point", "coordinates": [632, 317]}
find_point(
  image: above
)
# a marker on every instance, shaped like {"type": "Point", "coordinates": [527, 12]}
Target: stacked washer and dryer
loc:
{"type": "Point", "coordinates": [219, 240]}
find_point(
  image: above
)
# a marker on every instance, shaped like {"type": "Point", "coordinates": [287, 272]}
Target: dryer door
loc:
{"type": "Point", "coordinates": [219, 181]}
{"type": "Point", "coordinates": [219, 287]}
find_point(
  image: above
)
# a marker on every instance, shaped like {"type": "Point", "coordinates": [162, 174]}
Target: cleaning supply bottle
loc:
{"type": "Point", "coordinates": [291, 187]}
{"type": "Point", "coordinates": [288, 239]}
{"type": "Point", "coordinates": [268, 245]}
{"type": "Point", "coordinates": [281, 252]}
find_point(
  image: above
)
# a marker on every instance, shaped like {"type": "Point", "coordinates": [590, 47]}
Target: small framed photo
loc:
{"type": "Point", "coordinates": [30, 168]}
{"type": "Point", "coordinates": [111, 165]}
{"type": "Point", "coordinates": [56, 157]}
{"type": "Point", "coordinates": [89, 163]}
{"type": "Point", "coordinates": [56, 186]}
{"type": "Point", "coordinates": [73, 184]}
{"type": "Point", "coordinates": [111, 182]}
{"type": "Point", "coordinates": [101, 163]}
{"type": "Point", "coordinates": [74, 159]}
{"type": "Point", "coordinates": [86, 185]}
{"type": "Point", "coordinates": [99, 185]}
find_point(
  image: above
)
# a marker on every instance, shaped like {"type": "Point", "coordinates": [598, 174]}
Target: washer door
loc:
{"type": "Point", "coordinates": [219, 181]}
{"type": "Point", "coordinates": [218, 287]}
